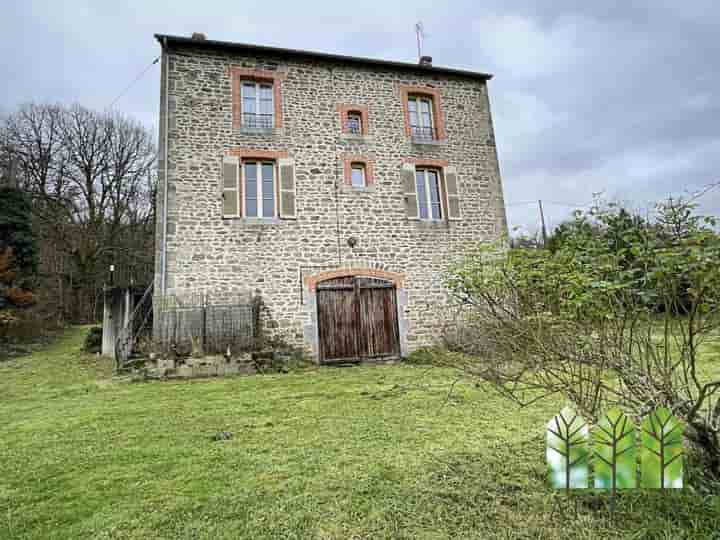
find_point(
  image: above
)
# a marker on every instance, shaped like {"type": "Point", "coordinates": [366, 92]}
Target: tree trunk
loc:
{"type": "Point", "coordinates": [706, 444]}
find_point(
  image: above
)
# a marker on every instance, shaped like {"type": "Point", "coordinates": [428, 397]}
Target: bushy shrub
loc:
{"type": "Point", "coordinates": [424, 356]}
{"type": "Point", "coordinates": [614, 314]}
{"type": "Point", "coordinates": [93, 340]}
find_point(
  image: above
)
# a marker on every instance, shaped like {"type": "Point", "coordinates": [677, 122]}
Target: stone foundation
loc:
{"type": "Point", "coordinates": [193, 368]}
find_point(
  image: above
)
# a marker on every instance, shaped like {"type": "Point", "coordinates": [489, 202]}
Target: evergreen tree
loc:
{"type": "Point", "coordinates": [16, 233]}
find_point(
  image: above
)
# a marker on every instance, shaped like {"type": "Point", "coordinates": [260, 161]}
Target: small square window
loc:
{"type": "Point", "coordinates": [354, 123]}
{"type": "Point", "coordinates": [358, 175]}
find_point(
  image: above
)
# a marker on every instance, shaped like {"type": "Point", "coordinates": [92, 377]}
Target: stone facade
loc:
{"type": "Point", "coordinates": [281, 258]}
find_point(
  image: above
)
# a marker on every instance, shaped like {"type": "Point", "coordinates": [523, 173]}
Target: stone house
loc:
{"type": "Point", "coordinates": [338, 188]}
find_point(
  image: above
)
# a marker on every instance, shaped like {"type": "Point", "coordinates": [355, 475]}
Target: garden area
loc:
{"type": "Point", "coordinates": [387, 451]}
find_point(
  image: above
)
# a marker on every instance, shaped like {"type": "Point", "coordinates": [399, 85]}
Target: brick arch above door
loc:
{"type": "Point", "coordinates": [396, 279]}
{"type": "Point", "coordinates": [311, 329]}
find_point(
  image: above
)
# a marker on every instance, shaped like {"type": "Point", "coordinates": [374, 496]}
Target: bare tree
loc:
{"type": "Point", "coordinates": [92, 178]}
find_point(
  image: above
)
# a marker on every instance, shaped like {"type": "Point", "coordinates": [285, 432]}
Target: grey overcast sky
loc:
{"type": "Point", "coordinates": [615, 96]}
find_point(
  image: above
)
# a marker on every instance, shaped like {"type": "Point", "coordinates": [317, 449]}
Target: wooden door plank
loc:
{"type": "Point", "coordinates": [357, 319]}
{"type": "Point", "coordinates": [338, 324]}
{"type": "Point", "coordinates": [378, 324]}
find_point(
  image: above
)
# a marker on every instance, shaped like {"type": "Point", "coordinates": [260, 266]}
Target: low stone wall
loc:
{"type": "Point", "coordinates": [207, 366]}
{"type": "Point", "coordinates": [266, 361]}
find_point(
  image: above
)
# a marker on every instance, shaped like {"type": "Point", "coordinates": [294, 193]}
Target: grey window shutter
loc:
{"type": "Point", "coordinates": [231, 190]}
{"type": "Point", "coordinates": [408, 180]}
{"type": "Point", "coordinates": [288, 192]}
{"type": "Point", "coordinates": [452, 193]}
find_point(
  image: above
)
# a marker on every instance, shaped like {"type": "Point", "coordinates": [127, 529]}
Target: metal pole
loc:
{"type": "Point", "coordinates": [542, 220]}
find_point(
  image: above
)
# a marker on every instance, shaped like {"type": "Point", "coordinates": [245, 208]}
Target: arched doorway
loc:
{"type": "Point", "coordinates": [357, 319]}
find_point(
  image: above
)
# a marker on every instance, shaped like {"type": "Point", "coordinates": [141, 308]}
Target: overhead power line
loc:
{"type": "Point", "coordinates": [705, 191]}
{"type": "Point", "coordinates": [132, 83]}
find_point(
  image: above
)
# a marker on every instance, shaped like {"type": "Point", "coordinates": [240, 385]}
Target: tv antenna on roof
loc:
{"type": "Point", "coordinates": [420, 34]}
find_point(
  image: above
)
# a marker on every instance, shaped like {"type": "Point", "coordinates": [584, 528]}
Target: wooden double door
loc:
{"type": "Point", "coordinates": [357, 319]}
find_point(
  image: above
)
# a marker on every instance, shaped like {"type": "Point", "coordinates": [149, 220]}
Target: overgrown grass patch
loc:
{"type": "Point", "coordinates": [365, 452]}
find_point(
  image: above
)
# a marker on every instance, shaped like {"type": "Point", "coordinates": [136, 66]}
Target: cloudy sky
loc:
{"type": "Point", "coordinates": [619, 97]}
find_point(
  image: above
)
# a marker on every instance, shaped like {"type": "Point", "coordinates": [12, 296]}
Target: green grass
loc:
{"type": "Point", "coordinates": [364, 452]}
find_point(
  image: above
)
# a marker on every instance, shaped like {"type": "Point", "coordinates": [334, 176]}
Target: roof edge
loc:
{"type": "Point", "coordinates": [230, 45]}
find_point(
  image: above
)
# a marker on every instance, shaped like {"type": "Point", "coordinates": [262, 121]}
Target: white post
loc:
{"type": "Point", "coordinates": [108, 335]}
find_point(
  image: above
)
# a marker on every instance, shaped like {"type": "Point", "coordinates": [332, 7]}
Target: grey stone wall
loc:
{"type": "Point", "coordinates": [208, 253]}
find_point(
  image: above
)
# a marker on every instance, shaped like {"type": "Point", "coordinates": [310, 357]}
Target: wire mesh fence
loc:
{"type": "Point", "coordinates": [206, 323]}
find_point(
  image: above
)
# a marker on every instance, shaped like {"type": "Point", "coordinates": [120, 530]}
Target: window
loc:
{"type": "Point", "coordinates": [259, 189]}
{"type": "Point", "coordinates": [257, 93]}
{"type": "Point", "coordinates": [257, 105]}
{"type": "Point", "coordinates": [427, 184]}
{"type": "Point", "coordinates": [421, 118]}
{"type": "Point", "coordinates": [354, 123]}
{"type": "Point", "coordinates": [357, 176]}
{"type": "Point", "coordinates": [358, 170]}
{"type": "Point", "coordinates": [353, 118]}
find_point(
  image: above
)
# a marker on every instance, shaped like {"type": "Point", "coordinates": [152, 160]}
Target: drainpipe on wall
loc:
{"type": "Point", "coordinates": [163, 256]}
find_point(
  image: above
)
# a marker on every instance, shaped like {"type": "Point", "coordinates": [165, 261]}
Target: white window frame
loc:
{"type": "Point", "coordinates": [259, 188]}
{"type": "Point", "coordinates": [357, 165]}
{"type": "Point", "coordinates": [258, 85]}
{"type": "Point", "coordinates": [417, 100]}
{"type": "Point", "coordinates": [428, 198]}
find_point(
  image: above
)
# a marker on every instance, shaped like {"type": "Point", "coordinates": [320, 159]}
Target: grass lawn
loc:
{"type": "Point", "coordinates": [365, 452]}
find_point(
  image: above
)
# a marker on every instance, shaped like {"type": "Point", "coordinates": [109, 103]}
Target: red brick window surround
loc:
{"type": "Point", "coordinates": [248, 153]}
{"type": "Point", "coordinates": [239, 75]}
{"type": "Point", "coordinates": [347, 110]}
{"type": "Point", "coordinates": [428, 162]}
{"type": "Point", "coordinates": [350, 160]}
{"type": "Point", "coordinates": [434, 95]}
